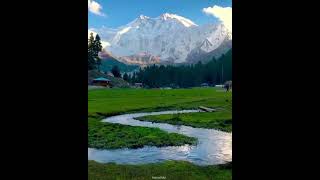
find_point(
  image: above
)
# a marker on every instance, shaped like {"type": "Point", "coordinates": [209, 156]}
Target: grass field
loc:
{"type": "Point", "coordinates": [221, 120]}
{"type": "Point", "coordinates": [107, 102]}
{"type": "Point", "coordinates": [103, 135]}
{"type": "Point", "coordinates": [175, 170]}
{"type": "Point", "coordinates": [118, 101]}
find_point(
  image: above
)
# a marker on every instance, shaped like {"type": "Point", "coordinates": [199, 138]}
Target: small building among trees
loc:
{"type": "Point", "coordinates": [204, 85]}
{"type": "Point", "coordinates": [138, 85]}
{"type": "Point", "coordinates": [101, 82]}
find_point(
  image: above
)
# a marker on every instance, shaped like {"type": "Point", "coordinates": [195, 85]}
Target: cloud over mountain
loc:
{"type": "Point", "coordinates": [224, 14]}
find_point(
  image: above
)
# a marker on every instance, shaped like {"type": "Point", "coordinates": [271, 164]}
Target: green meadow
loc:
{"type": "Point", "coordinates": [170, 170]}
{"type": "Point", "coordinates": [107, 102]}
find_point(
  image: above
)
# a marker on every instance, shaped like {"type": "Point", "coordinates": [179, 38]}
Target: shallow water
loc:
{"type": "Point", "coordinates": [214, 147]}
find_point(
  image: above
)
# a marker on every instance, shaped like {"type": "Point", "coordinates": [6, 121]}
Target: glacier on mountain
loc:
{"type": "Point", "coordinates": [169, 38]}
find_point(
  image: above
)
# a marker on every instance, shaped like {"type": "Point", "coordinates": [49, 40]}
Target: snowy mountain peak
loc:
{"type": "Point", "coordinates": [186, 22]}
{"type": "Point", "coordinates": [168, 38]}
{"type": "Point", "coordinates": [143, 17]}
{"type": "Point", "coordinates": [167, 15]}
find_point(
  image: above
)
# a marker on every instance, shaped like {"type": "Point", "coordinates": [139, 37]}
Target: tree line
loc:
{"type": "Point", "coordinates": [216, 71]}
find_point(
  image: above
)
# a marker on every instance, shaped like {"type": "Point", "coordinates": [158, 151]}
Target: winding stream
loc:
{"type": "Point", "coordinates": [214, 147]}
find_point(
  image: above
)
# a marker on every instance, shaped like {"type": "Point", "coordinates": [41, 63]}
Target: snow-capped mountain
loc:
{"type": "Point", "coordinates": [169, 38]}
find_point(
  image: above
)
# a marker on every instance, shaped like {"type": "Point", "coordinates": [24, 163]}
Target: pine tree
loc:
{"type": "Point", "coordinates": [129, 79]}
{"type": "Point", "coordinates": [133, 78]}
{"type": "Point", "coordinates": [97, 49]}
{"type": "Point", "coordinates": [116, 71]}
{"type": "Point", "coordinates": [91, 53]}
{"type": "Point", "coordinates": [94, 47]}
{"type": "Point", "coordinates": [218, 79]}
{"type": "Point", "coordinates": [125, 77]}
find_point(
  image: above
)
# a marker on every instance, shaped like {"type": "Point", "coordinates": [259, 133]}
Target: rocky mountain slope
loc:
{"type": "Point", "coordinates": [167, 39]}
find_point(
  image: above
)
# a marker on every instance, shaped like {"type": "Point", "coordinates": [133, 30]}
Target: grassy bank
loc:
{"type": "Point", "coordinates": [170, 170]}
{"type": "Point", "coordinates": [221, 120]}
{"type": "Point", "coordinates": [103, 135]}
{"type": "Point", "coordinates": [107, 102]}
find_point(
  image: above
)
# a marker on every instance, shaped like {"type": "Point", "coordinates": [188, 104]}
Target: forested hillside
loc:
{"type": "Point", "coordinates": [216, 71]}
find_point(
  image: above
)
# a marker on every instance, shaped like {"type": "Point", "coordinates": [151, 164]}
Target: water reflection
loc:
{"type": "Point", "coordinates": [214, 147]}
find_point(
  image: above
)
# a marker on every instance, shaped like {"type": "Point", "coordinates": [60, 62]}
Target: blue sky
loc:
{"type": "Point", "coordinates": [114, 13]}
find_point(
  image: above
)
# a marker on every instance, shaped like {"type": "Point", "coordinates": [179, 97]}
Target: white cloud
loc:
{"type": "Point", "coordinates": [95, 8]}
{"type": "Point", "coordinates": [224, 14]}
